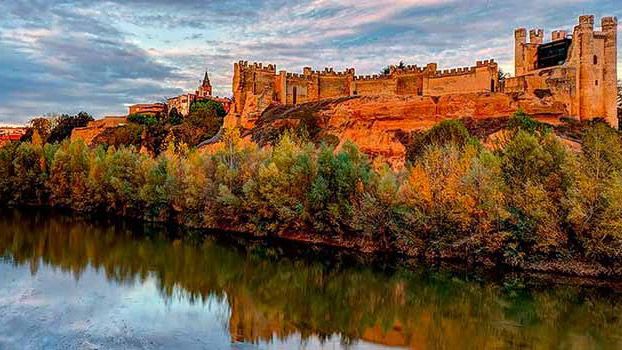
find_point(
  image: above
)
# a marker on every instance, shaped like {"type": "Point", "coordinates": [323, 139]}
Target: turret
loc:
{"type": "Point", "coordinates": [536, 36]}
{"type": "Point", "coordinates": [558, 35]}
{"type": "Point", "coordinates": [609, 26]}
{"type": "Point", "coordinates": [520, 39]}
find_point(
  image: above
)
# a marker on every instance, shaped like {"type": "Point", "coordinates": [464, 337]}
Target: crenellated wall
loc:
{"type": "Point", "coordinates": [257, 85]}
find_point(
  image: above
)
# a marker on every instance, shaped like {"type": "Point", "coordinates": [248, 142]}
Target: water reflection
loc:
{"type": "Point", "coordinates": [261, 295]}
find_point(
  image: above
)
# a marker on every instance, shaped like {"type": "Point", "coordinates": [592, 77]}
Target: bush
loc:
{"type": "Point", "coordinates": [208, 107]}
{"type": "Point", "coordinates": [142, 119]}
{"type": "Point", "coordinates": [447, 132]}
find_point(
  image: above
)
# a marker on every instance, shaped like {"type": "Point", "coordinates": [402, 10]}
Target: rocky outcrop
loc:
{"type": "Point", "coordinates": [374, 123]}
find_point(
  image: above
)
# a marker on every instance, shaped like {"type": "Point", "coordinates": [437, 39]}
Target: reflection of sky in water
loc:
{"type": "Point", "coordinates": [53, 310]}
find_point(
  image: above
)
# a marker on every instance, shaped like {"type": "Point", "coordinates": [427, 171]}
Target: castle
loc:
{"type": "Point", "coordinates": [286, 88]}
{"type": "Point", "coordinates": [573, 75]}
{"type": "Point", "coordinates": [578, 70]}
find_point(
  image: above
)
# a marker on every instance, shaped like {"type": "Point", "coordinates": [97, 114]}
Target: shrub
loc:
{"type": "Point", "coordinates": [447, 132]}
{"type": "Point", "coordinates": [208, 107]}
{"type": "Point", "coordinates": [142, 119]}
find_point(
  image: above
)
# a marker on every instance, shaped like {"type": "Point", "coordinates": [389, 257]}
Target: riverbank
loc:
{"type": "Point", "coordinates": [530, 203]}
{"type": "Point", "coordinates": [572, 272]}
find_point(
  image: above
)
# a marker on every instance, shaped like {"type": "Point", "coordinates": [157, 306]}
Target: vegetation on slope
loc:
{"type": "Point", "coordinates": [154, 133]}
{"type": "Point", "coordinates": [529, 202]}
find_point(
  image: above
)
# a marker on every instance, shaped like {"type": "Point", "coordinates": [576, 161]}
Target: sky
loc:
{"type": "Point", "coordinates": [68, 56]}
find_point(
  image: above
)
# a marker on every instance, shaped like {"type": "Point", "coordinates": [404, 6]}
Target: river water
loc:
{"type": "Point", "coordinates": [74, 283]}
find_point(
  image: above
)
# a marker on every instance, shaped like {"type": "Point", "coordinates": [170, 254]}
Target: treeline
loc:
{"type": "Point", "coordinates": [529, 199]}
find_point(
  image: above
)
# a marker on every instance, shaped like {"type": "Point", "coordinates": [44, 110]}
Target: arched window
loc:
{"type": "Point", "coordinates": [595, 59]}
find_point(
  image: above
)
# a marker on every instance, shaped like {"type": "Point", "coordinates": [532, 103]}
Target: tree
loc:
{"type": "Point", "coordinates": [42, 125]}
{"type": "Point", "coordinates": [447, 132]}
{"type": "Point", "coordinates": [594, 197]}
{"type": "Point", "coordinates": [207, 107]}
{"type": "Point", "coordinates": [387, 70]}
{"type": "Point", "coordinates": [503, 75]}
{"type": "Point", "coordinates": [65, 124]}
{"type": "Point", "coordinates": [174, 117]}
{"type": "Point", "coordinates": [142, 119]}
{"type": "Point", "coordinates": [203, 122]}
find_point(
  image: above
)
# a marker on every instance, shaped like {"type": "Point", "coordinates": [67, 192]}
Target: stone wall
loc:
{"type": "Point", "coordinates": [257, 85]}
{"type": "Point", "coordinates": [96, 127]}
{"type": "Point", "coordinates": [148, 108]}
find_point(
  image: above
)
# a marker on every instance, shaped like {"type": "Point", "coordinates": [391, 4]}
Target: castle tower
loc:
{"type": "Point", "coordinates": [205, 90]}
{"type": "Point", "coordinates": [587, 61]}
{"type": "Point", "coordinates": [584, 41]}
{"type": "Point", "coordinates": [609, 26]}
{"type": "Point", "coordinates": [520, 40]}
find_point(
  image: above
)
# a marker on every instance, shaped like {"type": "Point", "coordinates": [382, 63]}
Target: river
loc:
{"type": "Point", "coordinates": [74, 283]}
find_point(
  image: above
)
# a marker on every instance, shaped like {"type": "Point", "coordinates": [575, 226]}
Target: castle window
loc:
{"type": "Point", "coordinates": [595, 61]}
{"type": "Point", "coordinates": [596, 82]}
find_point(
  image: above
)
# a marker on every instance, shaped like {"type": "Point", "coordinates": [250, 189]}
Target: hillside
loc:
{"type": "Point", "coordinates": [384, 125]}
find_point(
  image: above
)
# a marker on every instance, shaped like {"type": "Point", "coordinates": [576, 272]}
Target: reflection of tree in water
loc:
{"type": "Point", "coordinates": [270, 294]}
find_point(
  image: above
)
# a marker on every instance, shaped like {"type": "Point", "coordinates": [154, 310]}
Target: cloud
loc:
{"type": "Point", "coordinates": [67, 55]}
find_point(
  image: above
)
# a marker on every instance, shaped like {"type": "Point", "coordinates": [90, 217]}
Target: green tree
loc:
{"type": "Point", "coordinates": [174, 117]}
{"type": "Point", "coordinates": [593, 197]}
{"type": "Point", "coordinates": [142, 119]}
{"type": "Point", "coordinates": [65, 124]}
{"type": "Point", "coordinates": [203, 122]}
{"type": "Point", "coordinates": [534, 169]}
{"type": "Point", "coordinates": [68, 182]}
{"type": "Point", "coordinates": [447, 132]}
{"type": "Point", "coordinates": [386, 70]}
{"type": "Point", "coordinates": [341, 177]}
{"type": "Point", "coordinates": [208, 107]}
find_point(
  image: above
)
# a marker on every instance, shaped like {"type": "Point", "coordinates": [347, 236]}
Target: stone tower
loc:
{"type": "Point", "coordinates": [585, 77]}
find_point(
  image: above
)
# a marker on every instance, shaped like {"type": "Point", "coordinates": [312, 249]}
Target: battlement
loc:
{"type": "Point", "coordinates": [485, 63]}
{"type": "Point", "coordinates": [453, 72]}
{"type": "Point", "coordinates": [558, 35]}
{"type": "Point", "coordinates": [588, 53]}
{"type": "Point", "coordinates": [536, 36]}
{"type": "Point", "coordinates": [257, 66]}
{"type": "Point", "coordinates": [372, 77]}
{"type": "Point", "coordinates": [586, 20]}
{"type": "Point", "coordinates": [298, 76]}
{"type": "Point", "coordinates": [329, 71]}
{"type": "Point", "coordinates": [406, 70]}
{"type": "Point", "coordinates": [609, 24]}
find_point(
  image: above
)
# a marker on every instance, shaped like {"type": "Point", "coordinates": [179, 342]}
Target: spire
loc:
{"type": "Point", "coordinates": [206, 80]}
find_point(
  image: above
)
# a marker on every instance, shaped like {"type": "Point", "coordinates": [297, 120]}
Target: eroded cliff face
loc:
{"type": "Point", "coordinates": [376, 123]}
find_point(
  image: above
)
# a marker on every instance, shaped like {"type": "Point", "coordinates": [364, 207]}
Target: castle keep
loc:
{"type": "Point", "coordinates": [573, 75]}
{"type": "Point", "coordinates": [577, 71]}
